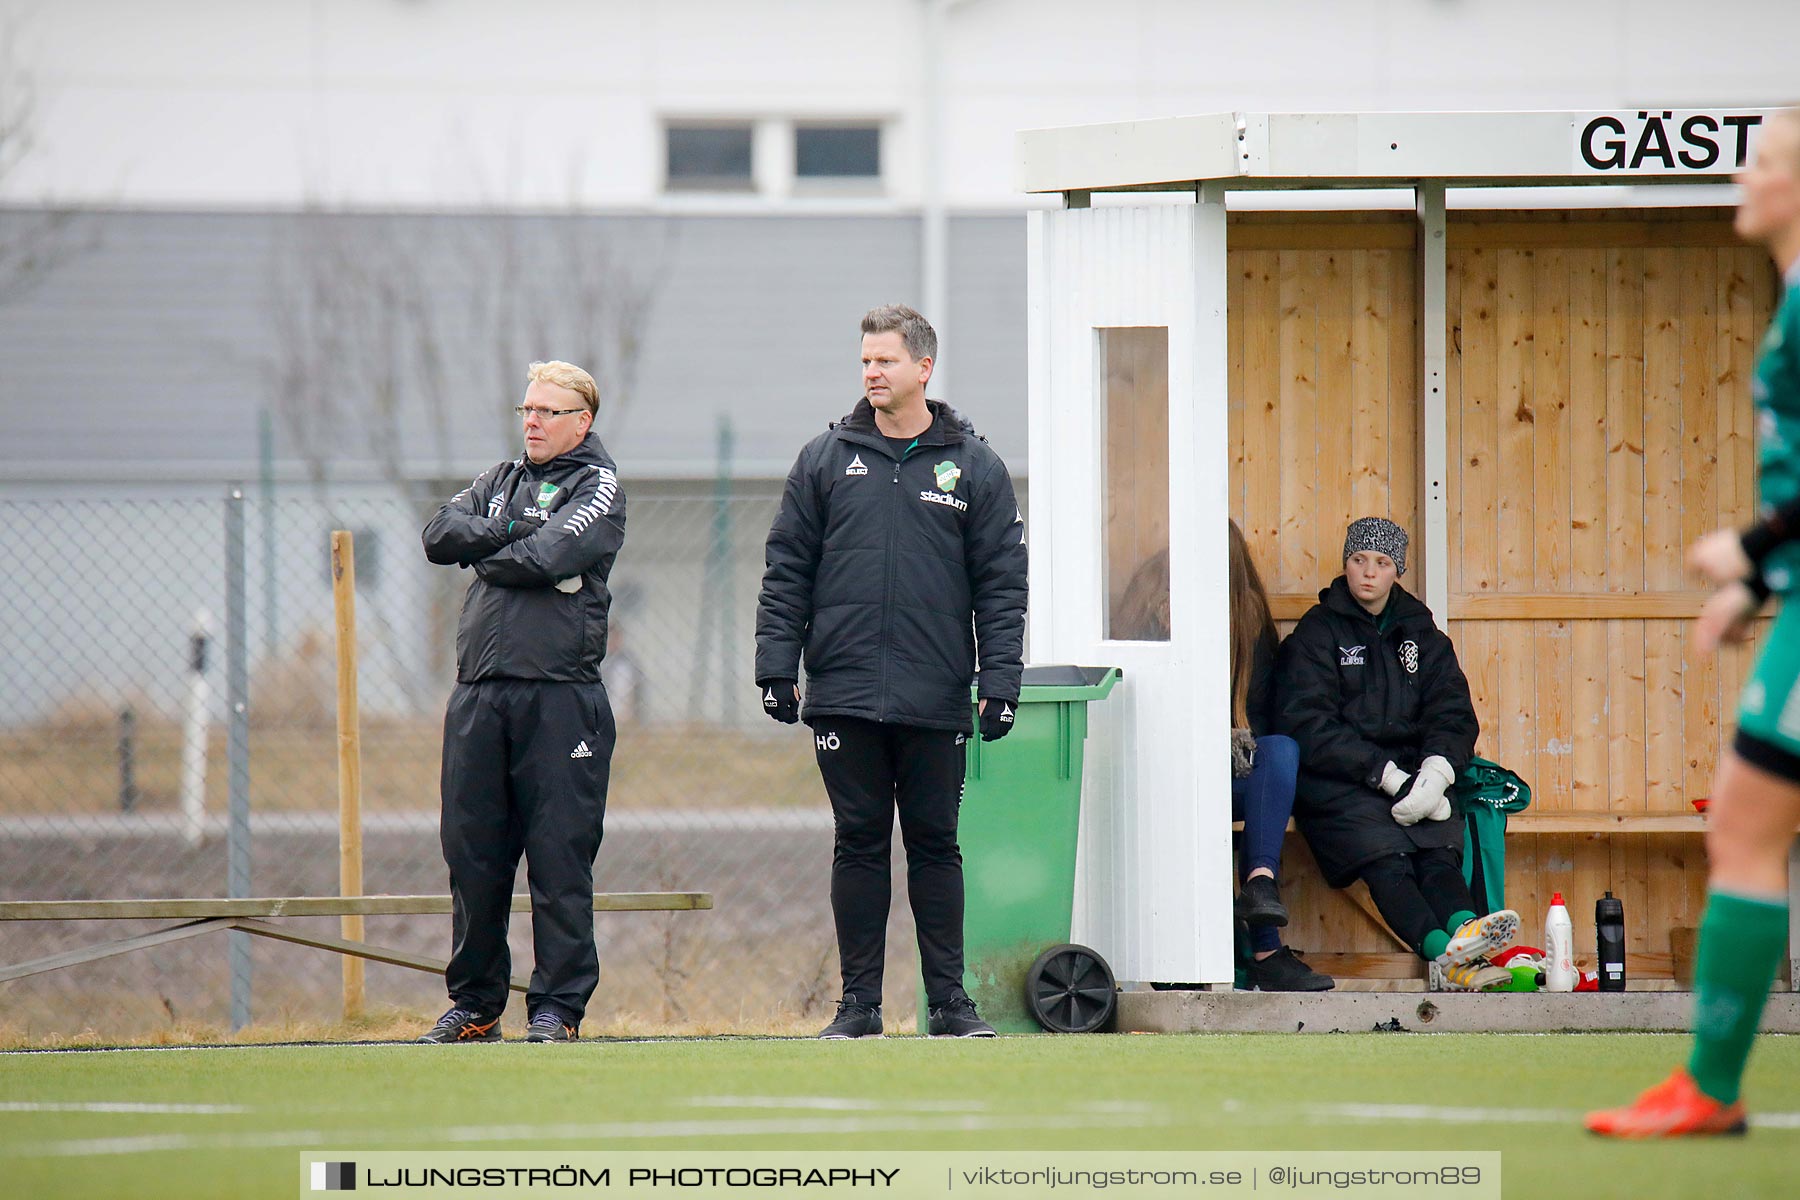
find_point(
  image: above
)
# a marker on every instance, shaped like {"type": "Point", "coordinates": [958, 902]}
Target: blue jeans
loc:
{"type": "Point", "coordinates": [1264, 800]}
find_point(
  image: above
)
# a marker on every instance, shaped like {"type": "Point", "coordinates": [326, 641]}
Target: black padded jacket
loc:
{"type": "Point", "coordinates": [1355, 693]}
{"type": "Point", "coordinates": [537, 608]}
{"type": "Point", "coordinates": [889, 576]}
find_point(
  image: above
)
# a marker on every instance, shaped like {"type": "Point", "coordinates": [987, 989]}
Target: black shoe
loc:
{"type": "Point", "coordinates": [463, 1025]}
{"type": "Point", "coordinates": [854, 1020]}
{"type": "Point", "coordinates": [1283, 971]}
{"type": "Point", "coordinates": [1259, 902]}
{"type": "Point", "coordinates": [548, 1026]}
{"type": "Point", "coordinates": [958, 1018]}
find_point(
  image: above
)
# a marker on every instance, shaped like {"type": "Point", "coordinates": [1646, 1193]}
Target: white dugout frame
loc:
{"type": "Point", "coordinates": [1153, 883]}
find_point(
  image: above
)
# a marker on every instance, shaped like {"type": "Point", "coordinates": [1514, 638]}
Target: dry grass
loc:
{"type": "Point", "coordinates": [73, 767]}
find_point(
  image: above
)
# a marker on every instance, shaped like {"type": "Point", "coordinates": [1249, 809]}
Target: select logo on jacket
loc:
{"type": "Point", "coordinates": [856, 466]}
{"type": "Point", "coordinates": [1351, 656]}
{"type": "Point", "coordinates": [581, 750]}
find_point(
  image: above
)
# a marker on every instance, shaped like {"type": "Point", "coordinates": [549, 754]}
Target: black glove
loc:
{"type": "Point", "coordinates": [997, 718]}
{"type": "Point", "coordinates": [781, 699]}
{"type": "Point", "coordinates": [524, 527]}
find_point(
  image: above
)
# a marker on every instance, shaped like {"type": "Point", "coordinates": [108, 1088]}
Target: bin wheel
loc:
{"type": "Point", "coordinates": [1069, 989]}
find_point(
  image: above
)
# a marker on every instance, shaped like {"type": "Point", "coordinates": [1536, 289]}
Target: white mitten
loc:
{"type": "Point", "coordinates": [1427, 799]}
{"type": "Point", "coordinates": [1439, 766]}
{"type": "Point", "coordinates": [1393, 779]}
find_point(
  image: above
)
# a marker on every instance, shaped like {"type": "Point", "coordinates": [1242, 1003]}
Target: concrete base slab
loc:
{"type": "Point", "coordinates": [1435, 1012]}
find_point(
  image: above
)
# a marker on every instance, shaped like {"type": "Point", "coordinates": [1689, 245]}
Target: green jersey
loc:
{"type": "Point", "coordinates": [1775, 389]}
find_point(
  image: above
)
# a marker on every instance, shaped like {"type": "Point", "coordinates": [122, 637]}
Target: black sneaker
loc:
{"type": "Point", "coordinates": [462, 1025]}
{"type": "Point", "coordinates": [1259, 902]}
{"type": "Point", "coordinates": [958, 1018]}
{"type": "Point", "coordinates": [547, 1026]}
{"type": "Point", "coordinates": [1283, 971]}
{"type": "Point", "coordinates": [854, 1020]}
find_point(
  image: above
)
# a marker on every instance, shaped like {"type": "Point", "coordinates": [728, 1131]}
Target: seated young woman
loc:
{"type": "Point", "coordinates": [1370, 690]}
{"type": "Point", "coordinates": [1265, 766]}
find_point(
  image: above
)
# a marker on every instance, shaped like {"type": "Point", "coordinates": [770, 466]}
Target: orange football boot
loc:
{"type": "Point", "coordinates": [1676, 1107]}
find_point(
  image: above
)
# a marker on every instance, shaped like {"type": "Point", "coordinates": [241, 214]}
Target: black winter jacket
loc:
{"type": "Point", "coordinates": [537, 608]}
{"type": "Point", "coordinates": [1355, 697]}
{"type": "Point", "coordinates": [887, 576]}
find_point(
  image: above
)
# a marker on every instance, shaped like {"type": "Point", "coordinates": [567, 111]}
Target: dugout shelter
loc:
{"type": "Point", "coordinates": [1552, 401]}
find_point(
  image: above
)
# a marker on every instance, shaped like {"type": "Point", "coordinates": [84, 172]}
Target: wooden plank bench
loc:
{"type": "Point", "coordinates": [257, 915]}
{"type": "Point", "coordinates": [1402, 964]}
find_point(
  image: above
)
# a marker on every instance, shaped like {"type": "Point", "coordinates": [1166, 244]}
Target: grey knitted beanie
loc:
{"type": "Point", "coordinates": [1380, 535]}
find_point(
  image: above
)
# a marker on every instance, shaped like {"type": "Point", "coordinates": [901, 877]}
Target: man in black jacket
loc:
{"type": "Point", "coordinates": [528, 735]}
{"type": "Point", "coordinates": [897, 557]}
{"type": "Point", "coordinates": [1370, 688]}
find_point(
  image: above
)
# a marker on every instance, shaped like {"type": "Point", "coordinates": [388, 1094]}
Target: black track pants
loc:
{"type": "Point", "coordinates": [1419, 892]}
{"type": "Point", "coordinates": [526, 764]}
{"type": "Point", "coordinates": [870, 769]}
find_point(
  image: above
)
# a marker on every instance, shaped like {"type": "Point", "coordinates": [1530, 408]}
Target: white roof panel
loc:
{"type": "Point", "coordinates": [1372, 149]}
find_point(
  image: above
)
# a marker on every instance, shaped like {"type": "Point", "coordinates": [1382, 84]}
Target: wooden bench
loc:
{"type": "Point", "coordinates": [257, 915]}
{"type": "Point", "coordinates": [1403, 965]}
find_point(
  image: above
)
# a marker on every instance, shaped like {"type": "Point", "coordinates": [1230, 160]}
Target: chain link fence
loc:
{"type": "Point", "coordinates": [170, 665]}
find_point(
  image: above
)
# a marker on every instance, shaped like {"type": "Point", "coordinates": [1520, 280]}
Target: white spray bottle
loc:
{"type": "Point", "coordinates": [1559, 948]}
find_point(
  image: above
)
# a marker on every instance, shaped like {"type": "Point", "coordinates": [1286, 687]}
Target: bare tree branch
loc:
{"type": "Point", "coordinates": [33, 242]}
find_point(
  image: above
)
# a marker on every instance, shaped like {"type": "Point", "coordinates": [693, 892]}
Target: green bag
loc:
{"type": "Point", "coordinates": [1484, 793]}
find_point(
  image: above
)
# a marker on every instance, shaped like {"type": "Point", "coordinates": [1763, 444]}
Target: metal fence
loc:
{"type": "Point", "coordinates": [167, 729]}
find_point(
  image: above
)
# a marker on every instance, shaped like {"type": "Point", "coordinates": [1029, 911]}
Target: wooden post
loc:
{"type": "Point", "coordinates": [349, 740]}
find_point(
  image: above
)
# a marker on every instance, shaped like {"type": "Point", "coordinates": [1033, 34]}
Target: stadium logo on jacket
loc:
{"type": "Point", "coordinates": [1351, 656]}
{"type": "Point", "coordinates": [947, 474]}
{"type": "Point", "coordinates": [856, 466]}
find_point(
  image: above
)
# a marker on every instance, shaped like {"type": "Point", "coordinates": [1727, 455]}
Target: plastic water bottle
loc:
{"type": "Point", "coordinates": [1609, 927]}
{"type": "Point", "coordinates": [1559, 947]}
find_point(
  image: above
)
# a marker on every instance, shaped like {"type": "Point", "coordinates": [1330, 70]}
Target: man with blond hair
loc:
{"type": "Point", "coordinates": [528, 735]}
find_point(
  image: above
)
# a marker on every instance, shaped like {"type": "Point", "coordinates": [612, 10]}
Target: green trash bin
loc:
{"type": "Point", "coordinates": [1021, 812]}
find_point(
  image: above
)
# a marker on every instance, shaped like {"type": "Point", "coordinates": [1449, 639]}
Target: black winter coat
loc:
{"type": "Point", "coordinates": [537, 608]}
{"type": "Point", "coordinates": [1355, 697]}
{"type": "Point", "coordinates": [888, 575]}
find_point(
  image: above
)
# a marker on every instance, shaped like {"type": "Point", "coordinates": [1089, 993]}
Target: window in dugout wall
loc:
{"type": "Point", "coordinates": [1132, 365]}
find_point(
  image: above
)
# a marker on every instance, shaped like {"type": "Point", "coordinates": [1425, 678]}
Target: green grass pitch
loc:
{"type": "Point", "coordinates": [230, 1122]}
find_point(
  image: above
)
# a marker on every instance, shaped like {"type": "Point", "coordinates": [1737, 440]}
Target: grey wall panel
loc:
{"type": "Point", "coordinates": [393, 345]}
{"type": "Point", "coordinates": [985, 337]}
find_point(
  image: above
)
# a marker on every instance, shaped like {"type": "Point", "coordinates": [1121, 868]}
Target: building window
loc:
{"type": "Point", "coordinates": [709, 157]}
{"type": "Point", "coordinates": [837, 151]}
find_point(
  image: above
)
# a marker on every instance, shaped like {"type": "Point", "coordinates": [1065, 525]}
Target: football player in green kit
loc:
{"type": "Point", "coordinates": [1756, 795]}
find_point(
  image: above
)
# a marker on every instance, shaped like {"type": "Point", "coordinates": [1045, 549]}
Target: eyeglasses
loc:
{"type": "Point", "coordinates": [544, 414]}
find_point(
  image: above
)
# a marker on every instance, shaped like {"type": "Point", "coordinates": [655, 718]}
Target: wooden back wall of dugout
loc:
{"type": "Point", "coordinates": [1599, 419]}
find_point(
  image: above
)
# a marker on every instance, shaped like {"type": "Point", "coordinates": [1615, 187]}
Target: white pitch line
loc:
{"type": "Point", "coordinates": [450, 1137]}
{"type": "Point", "coordinates": [1442, 1115]}
{"type": "Point", "coordinates": [1429, 1114]}
{"type": "Point", "coordinates": [855, 1104]}
{"type": "Point", "coordinates": [31, 1106]}
{"type": "Point", "coordinates": [839, 1104]}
